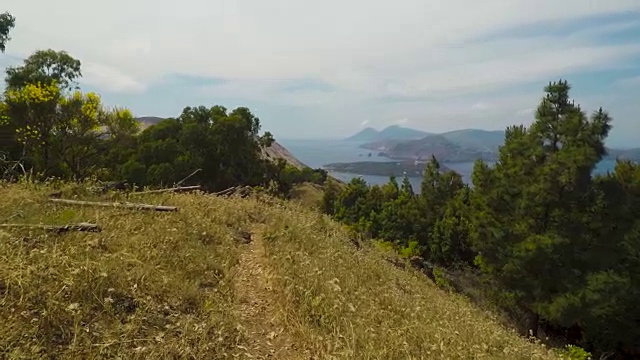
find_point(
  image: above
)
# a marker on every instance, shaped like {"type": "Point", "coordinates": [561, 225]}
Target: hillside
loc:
{"type": "Point", "coordinates": [147, 121]}
{"type": "Point", "coordinates": [277, 151]}
{"type": "Point", "coordinates": [220, 278]}
{"type": "Point", "coordinates": [464, 145]}
{"type": "Point", "coordinates": [476, 139]}
{"type": "Point", "coordinates": [437, 145]}
{"type": "Point", "coordinates": [393, 132]}
{"type": "Point", "coordinates": [454, 146]}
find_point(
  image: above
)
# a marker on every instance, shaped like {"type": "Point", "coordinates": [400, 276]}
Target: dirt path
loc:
{"type": "Point", "coordinates": [261, 323]}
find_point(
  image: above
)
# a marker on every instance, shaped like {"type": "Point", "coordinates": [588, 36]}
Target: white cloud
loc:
{"type": "Point", "coordinates": [278, 39]}
{"type": "Point", "coordinates": [366, 49]}
{"type": "Point", "coordinates": [109, 79]}
{"type": "Point", "coordinates": [527, 111]}
{"type": "Point", "coordinates": [364, 123]}
{"type": "Point", "coordinates": [480, 106]}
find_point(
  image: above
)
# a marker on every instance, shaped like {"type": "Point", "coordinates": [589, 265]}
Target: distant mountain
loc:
{"type": "Point", "coordinates": [476, 139]}
{"type": "Point", "coordinates": [393, 132]}
{"type": "Point", "coordinates": [454, 146]}
{"type": "Point", "coordinates": [624, 154]}
{"type": "Point", "coordinates": [147, 121]}
{"type": "Point", "coordinates": [368, 134]}
{"type": "Point", "coordinates": [438, 146]}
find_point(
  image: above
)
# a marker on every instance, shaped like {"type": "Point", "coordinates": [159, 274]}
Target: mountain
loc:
{"type": "Point", "coordinates": [394, 132]}
{"type": "Point", "coordinates": [147, 121]}
{"type": "Point", "coordinates": [624, 154]}
{"type": "Point", "coordinates": [476, 139]}
{"type": "Point", "coordinates": [439, 146]}
{"type": "Point", "coordinates": [277, 151]}
{"type": "Point", "coordinates": [454, 146]}
{"type": "Point", "coordinates": [368, 134]}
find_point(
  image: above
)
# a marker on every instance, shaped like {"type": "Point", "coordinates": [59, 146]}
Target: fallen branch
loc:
{"type": "Point", "coordinates": [117, 205]}
{"type": "Point", "coordinates": [190, 175]}
{"type": "Point", "coordinates": [182, 188]}
{"type": "Point", "coordinates": [57, 228]}
{"type": "Point", "coordinates": [226, 191]}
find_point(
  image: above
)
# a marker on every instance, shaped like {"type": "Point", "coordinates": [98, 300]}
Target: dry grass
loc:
{"type": "Point", "coordinates": [308, 195]}
{"type": "Point", "coordinates": [151, 285]}
{"type": "Point", "coordinates": [348, 303]}
{"type": "Point", "coordinates": [165, 285]}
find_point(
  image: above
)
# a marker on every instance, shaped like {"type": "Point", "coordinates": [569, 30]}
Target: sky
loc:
{"type": "Point", "coordinates": [327, 69]}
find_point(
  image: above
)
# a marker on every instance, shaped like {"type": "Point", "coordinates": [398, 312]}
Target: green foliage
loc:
{"type": "Point", "coordinates": [575, 353]}
{"type": "Point", "coordinates": [555, 242]}
{"type": "Point", "coordinates": [51, 131]}
{"type": "Point", "coordinates": [440, 278]}
{"type": "Point", "coordinates": [46, 67]}
{"type": "Point", "coordinates": [412, 249]}
{"type": "Point", "coordinates": [7, 22]}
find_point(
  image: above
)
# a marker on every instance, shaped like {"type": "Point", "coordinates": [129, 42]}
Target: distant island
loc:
{"type": "Point", "coordinates": [386, 168]}
{"type": "Point", "coordinates": [459, 146]}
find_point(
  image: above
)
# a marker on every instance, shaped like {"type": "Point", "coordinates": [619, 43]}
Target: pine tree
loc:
{"type": "Point", "coordinates": [530, 209]}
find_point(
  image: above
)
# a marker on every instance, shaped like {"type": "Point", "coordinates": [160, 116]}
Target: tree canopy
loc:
{"type": "Point", "coordinates": [552, 241]}
{"type": "Point", "coordinates": [7, 22]}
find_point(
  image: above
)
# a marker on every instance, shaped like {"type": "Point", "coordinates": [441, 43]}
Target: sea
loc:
{"type": "Point", "coordinates": [317, 153]}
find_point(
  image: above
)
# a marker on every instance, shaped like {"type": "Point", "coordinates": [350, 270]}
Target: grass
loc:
{"type": "Point", "coordinates": [307, 195]}
{"type": "Point", "coordinates": [163, 285]}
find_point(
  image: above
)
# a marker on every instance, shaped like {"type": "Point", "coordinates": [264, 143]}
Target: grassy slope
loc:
{"type": "Point", "coordinates": [180, 285]}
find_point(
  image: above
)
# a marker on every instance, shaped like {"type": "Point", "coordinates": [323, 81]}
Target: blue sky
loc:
{"type": "Point", "coordinates": [327, 69]}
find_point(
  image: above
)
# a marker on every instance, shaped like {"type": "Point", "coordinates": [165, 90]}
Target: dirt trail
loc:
{"type": "Point", "coordinates": [262, 324]}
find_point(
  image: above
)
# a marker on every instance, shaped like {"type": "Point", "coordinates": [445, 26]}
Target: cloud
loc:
{"type": "Point", "coordinates": [364, 123]}
{"type": "Point", "coordinates": [527, 111]}
{"type": "Point", "coordinates": [331, 62]}
{"type": "Point", "coordinates": [109, 79]}
{"type": "Point", "coordinates": [480, 106]}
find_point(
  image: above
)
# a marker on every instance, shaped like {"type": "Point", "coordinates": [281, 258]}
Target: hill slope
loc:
{"type": "Point", "coordinates": [277, 151]}
{"type": "Point", "coordinates": [393, 132]}
{"type": "Point", "coordinates": [220, 278]}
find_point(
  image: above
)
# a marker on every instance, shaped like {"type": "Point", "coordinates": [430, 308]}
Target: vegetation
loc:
{"type": "Point", "coordinates": [549, 240]}
{"type": "Point", "coordinates": [552, 242]}
{"type": "Point", "coordinates": [49, 128]}
{"type": "Point", "coordinates": [7, 22]}
{"type": "Point", "coordinates": [379, 168]}
{"type": "Point", "coordinates": [184, 285]}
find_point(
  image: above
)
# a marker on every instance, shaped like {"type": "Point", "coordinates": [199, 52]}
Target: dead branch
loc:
{"type": "Point", "coordinates": [182, 188]}
{"type": "Point", "coordinates": [117, 205]}
{"type": "Point", "coordinates": [57, 228]}
{"type": "Point", "coordinates": [190, 175]}
{"type": "Point", "coordinates": [226, 191]}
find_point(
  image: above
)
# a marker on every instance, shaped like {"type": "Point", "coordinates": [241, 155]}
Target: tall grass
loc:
{"type": "Point", "coordinates": [161, 285]}
{"type": "Point", "coordinates": [150, 285]}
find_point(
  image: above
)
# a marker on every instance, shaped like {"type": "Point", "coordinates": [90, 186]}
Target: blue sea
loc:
{"type": "Point", "coordinates": [317, 153]}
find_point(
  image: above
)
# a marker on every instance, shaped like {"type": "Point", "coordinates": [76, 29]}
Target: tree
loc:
{"type": "Point", "coordinates": [532, 210]}
{"type": "Point", "coordinates": [449, 242]}
{"type": "Point", "coordinates": [30, 113]}
{"type": "Point", "coordinates": [84, 132]}
{"type": "Point", "coordinates": [45, 67]}
{"type": "Point", "coordinates": [330, 196]}
{"type": "Point", "coordinates": [7, 22]}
